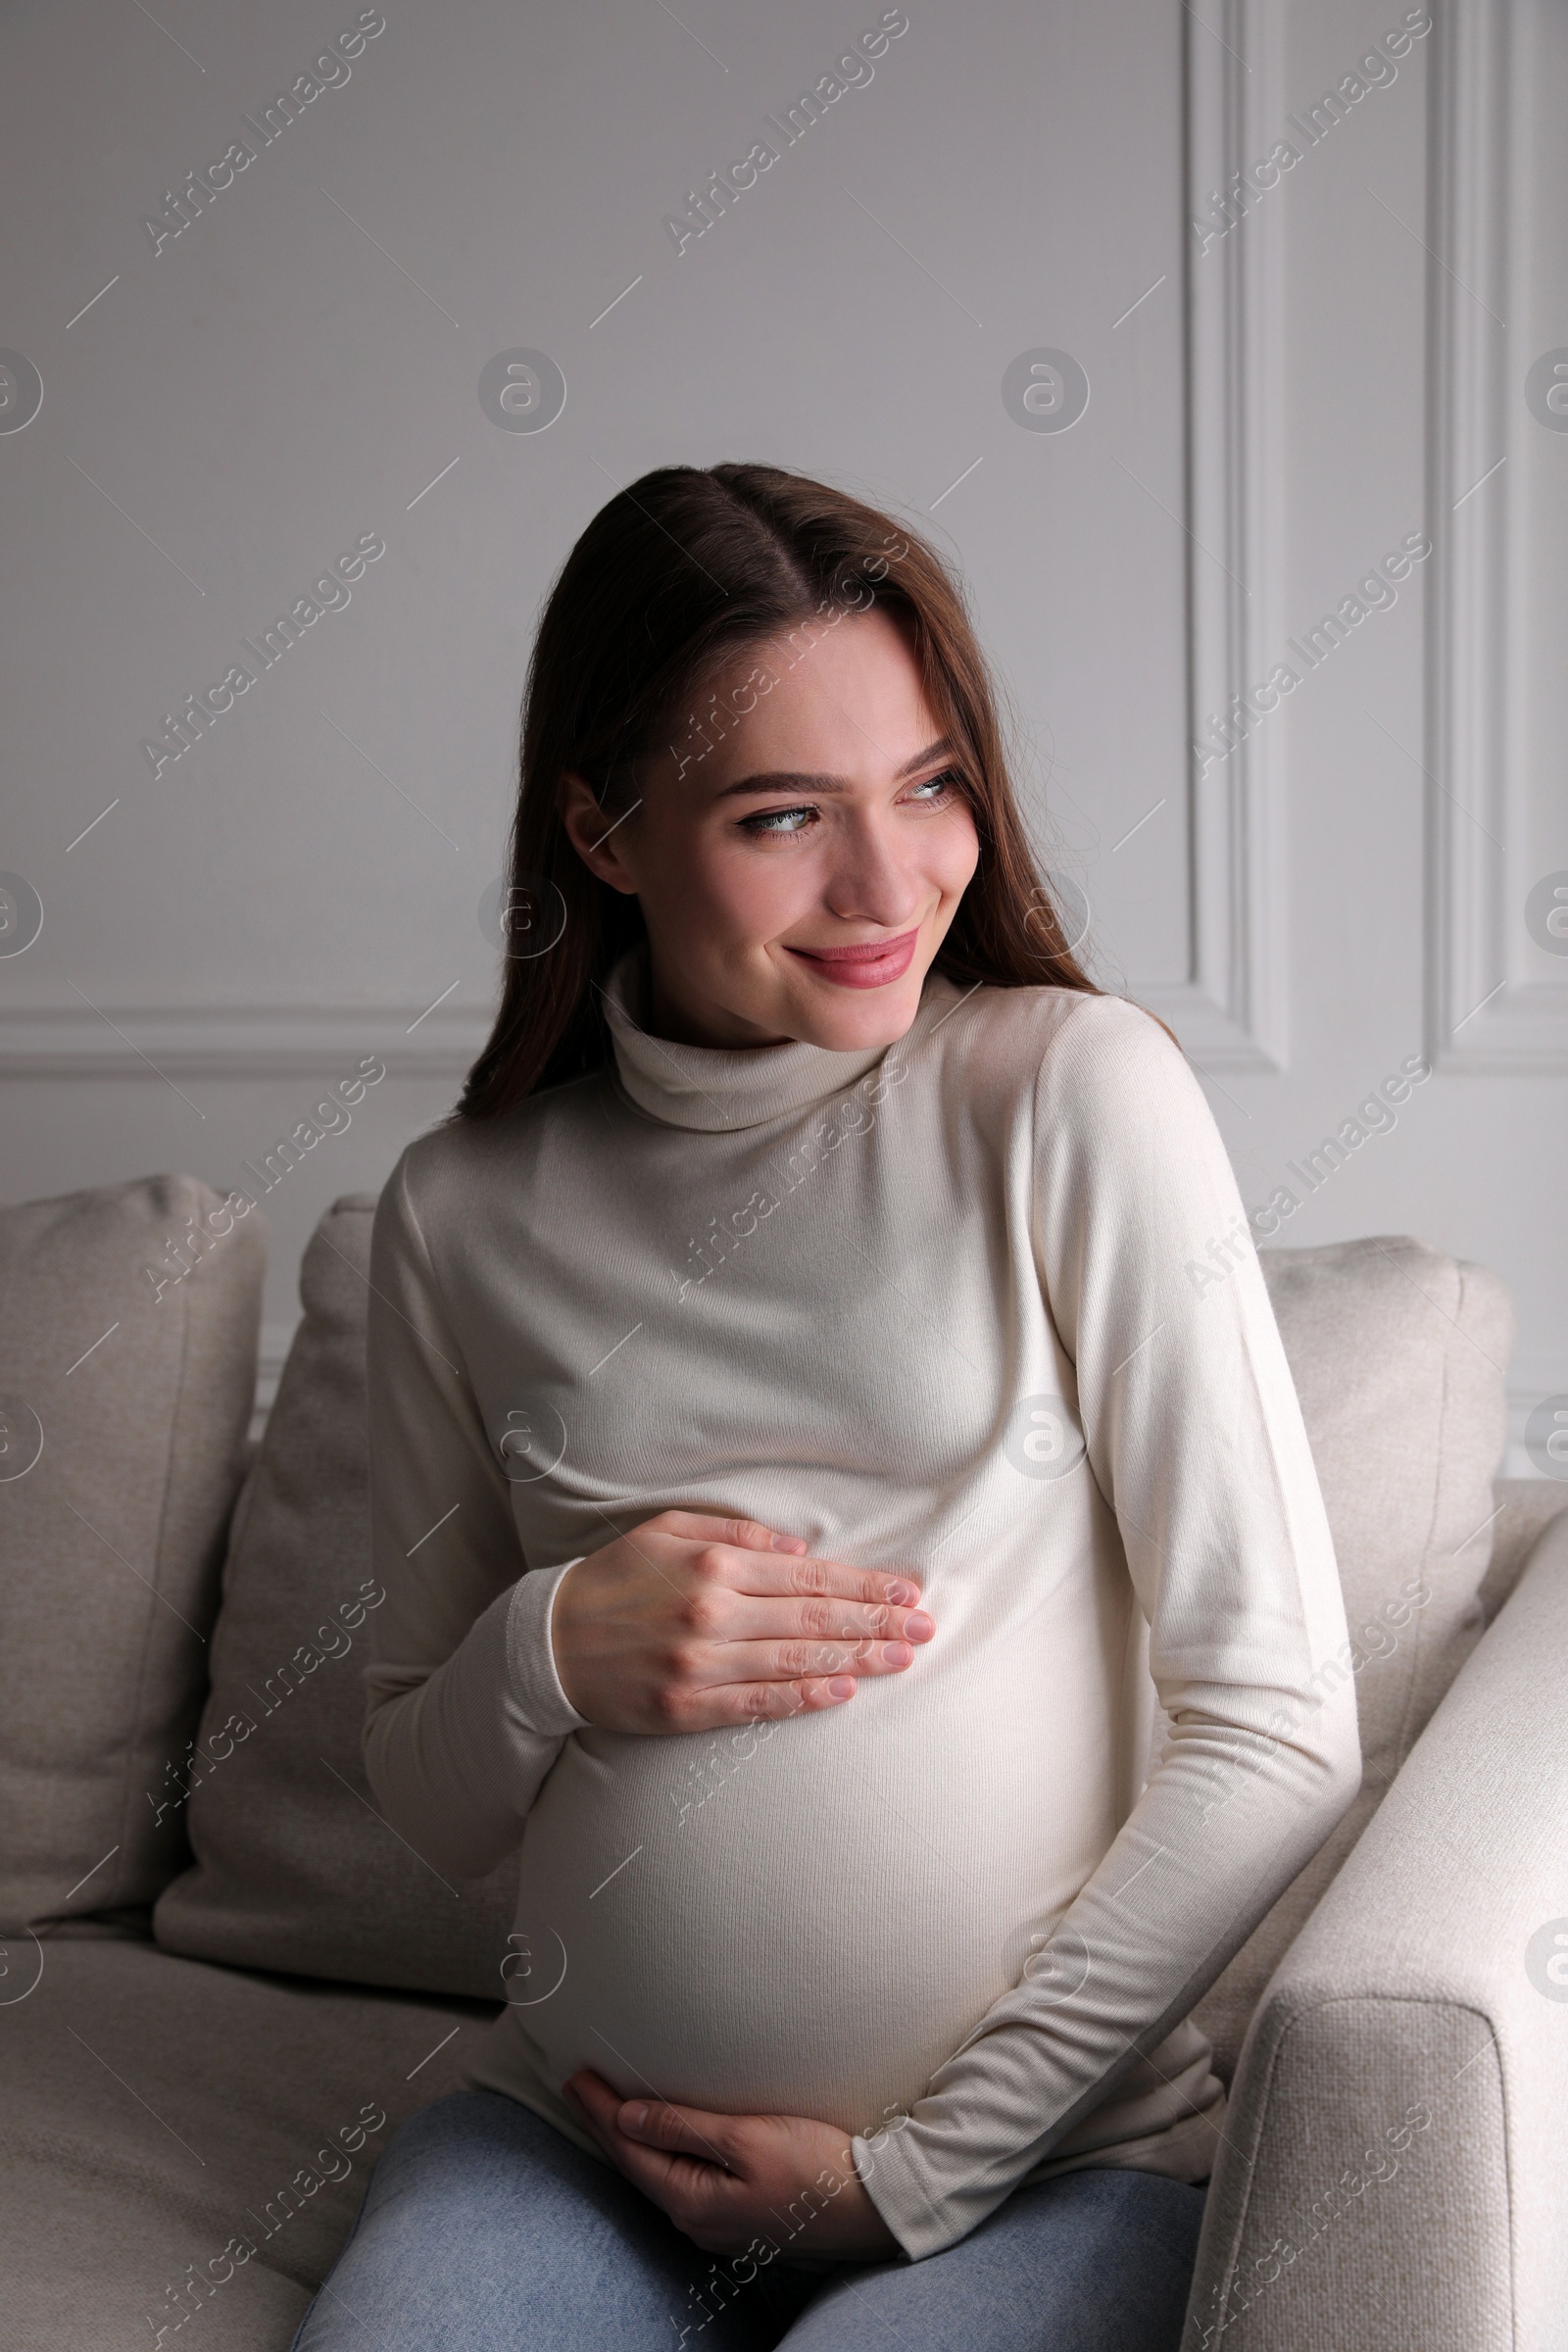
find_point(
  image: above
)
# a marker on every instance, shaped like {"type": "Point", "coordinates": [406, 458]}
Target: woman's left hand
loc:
{"type": "Point", "coordinates": [728, 2180]}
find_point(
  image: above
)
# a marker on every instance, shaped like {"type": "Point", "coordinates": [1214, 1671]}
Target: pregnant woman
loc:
{"type": "Point", "coordinates": [825, 1527]}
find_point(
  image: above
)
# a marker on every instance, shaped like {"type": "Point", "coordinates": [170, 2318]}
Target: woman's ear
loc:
{"type": "Point", "coordinates": [596, 837]}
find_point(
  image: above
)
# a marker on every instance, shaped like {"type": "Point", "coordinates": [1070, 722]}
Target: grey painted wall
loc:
{"type": "Point", "coordinates": [235, 397]}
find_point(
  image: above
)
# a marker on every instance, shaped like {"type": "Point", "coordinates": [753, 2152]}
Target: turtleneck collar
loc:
{"type": "Point", "coordinates": [719, 1089]}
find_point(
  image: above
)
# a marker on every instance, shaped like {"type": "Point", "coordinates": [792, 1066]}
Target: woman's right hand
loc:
{"type": "Point", "coordinates": [693, 1621]}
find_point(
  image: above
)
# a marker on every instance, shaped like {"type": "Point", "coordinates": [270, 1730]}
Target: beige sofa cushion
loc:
{"type": "Point", "coordinates": [185, 2147]}
{"type": "Point", "coordinates": [111, 1539]}
{"type": "Point", "coordinates": [295, 1866]}
{"type": "Point", "coordinates": [1399, 1354]}
{"type": "Point", "coordinates": [1525, 1506]}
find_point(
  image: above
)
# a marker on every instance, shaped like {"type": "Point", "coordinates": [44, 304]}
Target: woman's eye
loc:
{"type": "Point", "coordinates": [935, 792]}
{"type": "Point", "coordinates": [778, 820]}
{"type": "Point", "coordinates": [937, 789]}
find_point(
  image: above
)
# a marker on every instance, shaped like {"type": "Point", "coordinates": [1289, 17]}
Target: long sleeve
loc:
{"type": "Point", "coordinates": [1195, 1439]}
{"type": "Point", "coordinates": [466, 1713]}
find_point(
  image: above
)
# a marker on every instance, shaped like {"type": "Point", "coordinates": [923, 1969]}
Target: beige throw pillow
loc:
{"type": "Point", "coordinates": [127, 1368]}
{"type": "Point", "coordinates": [296, 1868]}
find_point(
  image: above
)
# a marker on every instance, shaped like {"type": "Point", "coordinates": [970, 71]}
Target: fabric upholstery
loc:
{"type": "Point", "coordinates": [1399, 1354]}
{"type": "Point", "coordinates": [140, 1381]}
{"type": "Point", "coordinates": [1431, 1983]}
{"type": "Point", "coordinates": [295, 1866]}
{"type": "Point", "coordinates": [1524, 1507]}
{"type": "Point", "coordinates": [189, 2144]}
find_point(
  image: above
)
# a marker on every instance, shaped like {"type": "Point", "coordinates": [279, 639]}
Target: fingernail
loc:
{"type": "Point", "coordinates": [901, 1593]}
{"type": "Point", "coordinates": [634, 2116]}
{"type": "Point", "coordinates": [839, 1687]}
{"type": "Point", "coordinates": [895, 1653]}
{"type": "Point", "coordinates": [919, 1627]}
{"type": "Point", "coordinates": [789, 1543]}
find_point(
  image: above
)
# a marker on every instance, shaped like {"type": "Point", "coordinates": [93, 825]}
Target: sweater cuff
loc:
{"type": "Point", "coordinates": [907, 2202]}
{"type": "Point", "coordinates": [531, 1659]}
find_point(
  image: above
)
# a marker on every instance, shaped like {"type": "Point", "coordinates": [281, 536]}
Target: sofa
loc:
{"type": "Point", "coordinates": [226, 1979]}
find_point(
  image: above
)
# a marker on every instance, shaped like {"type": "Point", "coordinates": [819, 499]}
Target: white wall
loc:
{"type": "Point", "coordinates": [1270, 412]}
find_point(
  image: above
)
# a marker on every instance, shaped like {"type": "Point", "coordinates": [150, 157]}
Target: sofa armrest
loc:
{"type": "Point", "coordinates": [1398, 2136]}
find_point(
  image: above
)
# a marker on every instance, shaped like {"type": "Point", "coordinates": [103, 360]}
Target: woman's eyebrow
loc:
{"type": "Point", "coordinates": [793, 780]}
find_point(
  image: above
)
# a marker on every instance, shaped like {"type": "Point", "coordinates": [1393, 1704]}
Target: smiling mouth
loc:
{"type": "Point", "coordinates": [872, 965]}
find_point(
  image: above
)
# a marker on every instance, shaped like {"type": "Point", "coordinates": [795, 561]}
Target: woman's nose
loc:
{"type": "Point", "coordinates": [872, 881]}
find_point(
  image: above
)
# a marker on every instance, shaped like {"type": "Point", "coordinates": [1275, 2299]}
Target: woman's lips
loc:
{"type": "Point", "coordinates": [873, 966]}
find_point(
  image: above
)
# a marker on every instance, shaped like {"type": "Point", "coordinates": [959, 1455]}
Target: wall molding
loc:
{"type": "Point", "coordinates": [1232, 1013]}
{"type": "Point", "coordinates": [1484, 1011]}
{"type": "Point", "coordinates": [238, 1041]}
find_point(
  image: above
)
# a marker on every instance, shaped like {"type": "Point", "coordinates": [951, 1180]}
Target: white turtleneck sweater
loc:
{"type": "Point", "coordinates": [928, 1305]}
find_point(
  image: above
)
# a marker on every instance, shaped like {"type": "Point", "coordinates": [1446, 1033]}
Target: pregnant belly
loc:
{"type": "Point", "coordinates": [806, 1918]}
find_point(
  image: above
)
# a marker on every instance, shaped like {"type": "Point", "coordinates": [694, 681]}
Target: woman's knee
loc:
{"type": "Point", "coordinates": [479, 2218]}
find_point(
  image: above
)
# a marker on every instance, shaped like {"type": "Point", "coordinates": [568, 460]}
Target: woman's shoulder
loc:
{"type": "Point", "coordinates": [443, 1175]}
{"type": "Point", "coordinates": [1099, 1086]}
{"type": "Point", "coordinates": [1065, 1041]}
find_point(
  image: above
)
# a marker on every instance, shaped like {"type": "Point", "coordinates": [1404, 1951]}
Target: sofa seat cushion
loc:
{"type": "Point", "coordinates": [185, 2142]}
{"type": "Point", "coordinates": [127, 1368]}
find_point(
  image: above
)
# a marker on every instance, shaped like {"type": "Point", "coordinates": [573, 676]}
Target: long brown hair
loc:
{"type": "Point", "coordinates": [673, 575]}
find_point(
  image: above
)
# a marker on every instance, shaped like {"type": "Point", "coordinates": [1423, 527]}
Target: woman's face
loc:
{"type": "Point", "coordinates": [798, 877]}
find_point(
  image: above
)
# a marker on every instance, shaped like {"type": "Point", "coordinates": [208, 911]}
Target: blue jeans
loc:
{"type": "Point", "coordinates": [483, 2227]}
